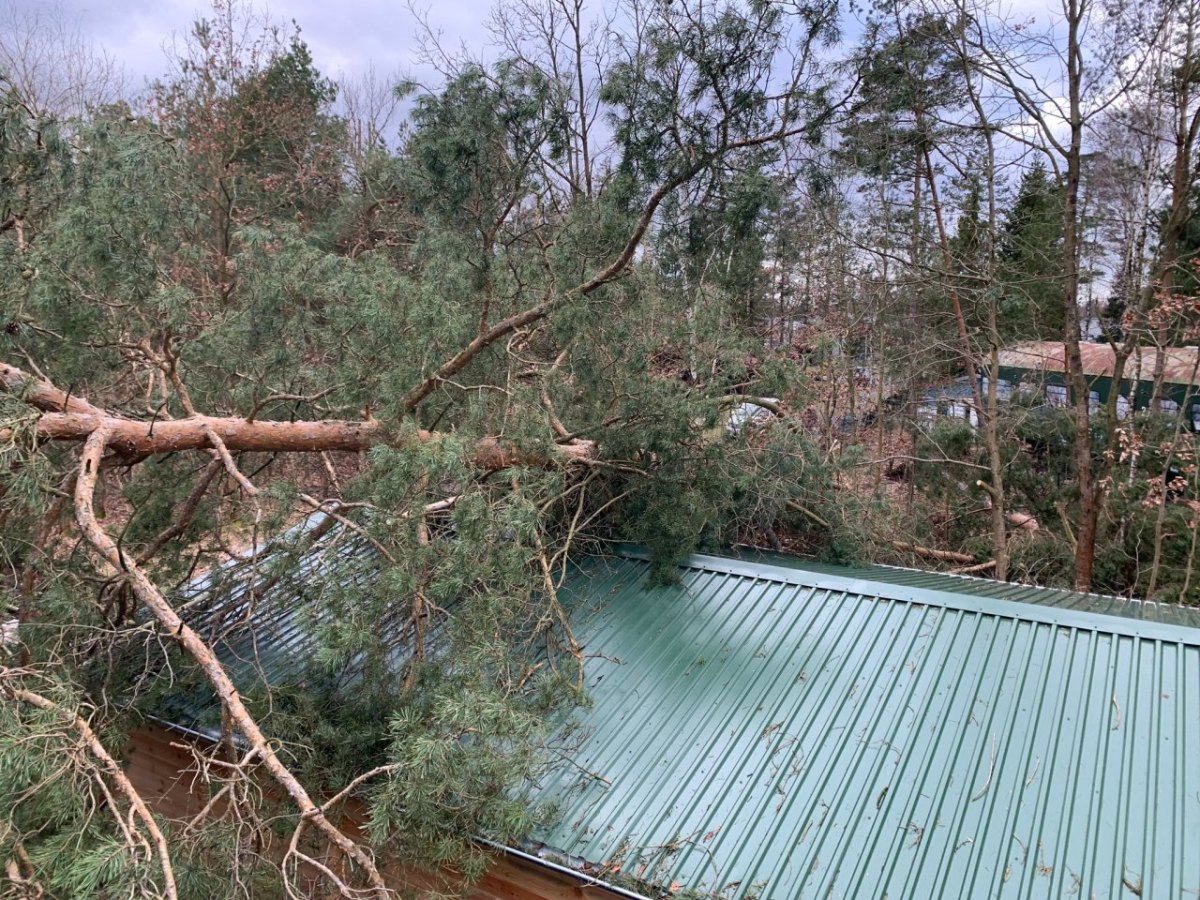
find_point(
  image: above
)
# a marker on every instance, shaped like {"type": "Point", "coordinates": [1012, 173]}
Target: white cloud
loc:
{"type": "Point", "coordinates": [346, 36]}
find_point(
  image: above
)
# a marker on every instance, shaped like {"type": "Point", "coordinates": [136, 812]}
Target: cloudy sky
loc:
{"type": "Point", "coordinates": [345, 36]}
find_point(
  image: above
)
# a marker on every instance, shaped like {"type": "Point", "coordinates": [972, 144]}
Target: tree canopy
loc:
{"type": "Point", "coordinates": [690, 276]}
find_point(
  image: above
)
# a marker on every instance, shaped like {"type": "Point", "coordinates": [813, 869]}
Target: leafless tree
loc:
{"type": "Point", "coordinates": [55, 69]}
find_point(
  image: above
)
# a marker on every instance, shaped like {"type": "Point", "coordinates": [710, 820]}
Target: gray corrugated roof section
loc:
{"type": "Point", "coordinates": [263, 618]}
{"type": "Point", "coordinates": [777, 728]}
{"type": "Point", "coordinates": [1105, 604]}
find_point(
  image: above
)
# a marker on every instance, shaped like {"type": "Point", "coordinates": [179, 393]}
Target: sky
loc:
{"type": "Point", "coordinates": [345, 36]}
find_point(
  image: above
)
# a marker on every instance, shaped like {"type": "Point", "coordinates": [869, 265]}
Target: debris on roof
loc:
{"type": "Point", "coordinates": [769, 727]}
{"type": "Point", "coordinates": [778, 731]}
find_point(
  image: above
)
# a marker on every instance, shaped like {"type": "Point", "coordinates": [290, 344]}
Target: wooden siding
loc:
{"type": "Point", "coordinates": [162, 766]}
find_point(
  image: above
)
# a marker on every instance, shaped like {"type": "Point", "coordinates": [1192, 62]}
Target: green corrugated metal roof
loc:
{"type": "Point", "coordinates": [800, 732]}
{"type": "Point", "coordinates": [776, 728]}
{"type": "Point", "coordinates": [1167, 613]}
{"type": "Point", "coordinates": [263, 617]}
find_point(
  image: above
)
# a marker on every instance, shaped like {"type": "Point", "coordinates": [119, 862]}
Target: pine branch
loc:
{"type": "Point", "coordinates": [157, 604]}
{"type": "Point", "coordinates": [114, 771]}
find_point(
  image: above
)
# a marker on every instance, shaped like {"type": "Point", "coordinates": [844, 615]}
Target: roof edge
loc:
{"type": "Point", "coordinates": [582, 879]}
{"type": "Point", "coordinates": [1089, 620]}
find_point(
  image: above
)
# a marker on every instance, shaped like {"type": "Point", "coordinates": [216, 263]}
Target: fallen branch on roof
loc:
{"type": "Point", "coordinates": [195, 646]}
{"type": "Point", "coordinates": [930, 553]}
{"type": "Point", "coordinates": [69, 418]}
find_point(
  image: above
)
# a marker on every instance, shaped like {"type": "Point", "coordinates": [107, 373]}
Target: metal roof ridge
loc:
{"type": "Point", "coordinates": [975, 579]}
{"type": "Point", "coordinates": [1085, 620]}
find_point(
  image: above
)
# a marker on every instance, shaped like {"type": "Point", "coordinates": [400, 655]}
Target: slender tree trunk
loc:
{"type": "Point", "coordinates": [986, 412]}
{"type": "Point", "coordinates": [138, 438]}
{"type": "Point", "coordinates": [1090, 490]}
{"type": "Point", "coordinates": [1178, 216]}
{"type": "Point", "coordinates": [580, 85]}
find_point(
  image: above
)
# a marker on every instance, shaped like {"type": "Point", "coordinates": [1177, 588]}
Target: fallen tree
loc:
{"type": "Point", "coordinates": [247, 284]}
{"type": "Point", "coordinates": [67, 418]}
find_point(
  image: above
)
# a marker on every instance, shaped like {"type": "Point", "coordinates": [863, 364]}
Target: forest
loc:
{"type": "Point", "coordinates": [693, 275]}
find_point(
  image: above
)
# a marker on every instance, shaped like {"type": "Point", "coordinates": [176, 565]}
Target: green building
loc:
{"type": "Point", "coordinates": [1043, 364]}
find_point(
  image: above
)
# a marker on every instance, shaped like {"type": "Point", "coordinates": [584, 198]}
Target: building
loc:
{"type": "Point", "coordinates": [1043, 363]}
{"type": "Point", "coordinates": [776, 728]}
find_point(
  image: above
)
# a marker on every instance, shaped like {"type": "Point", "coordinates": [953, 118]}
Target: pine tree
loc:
{"type": "Point", "coordinates": [489, 352]}
{"type": "Point", "coordinates": [1030, 251]}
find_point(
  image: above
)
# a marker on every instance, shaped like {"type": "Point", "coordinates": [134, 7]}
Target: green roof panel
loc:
{"type": "Point", "coordinates": [775, 728]}
{"type": "Point", "coordinates": [795, 731]}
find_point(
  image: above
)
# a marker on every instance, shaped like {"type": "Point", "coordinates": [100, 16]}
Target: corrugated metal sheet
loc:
{"type": "Point", "coordinates": [264, 618]}
{"type": "Point", "coordinates": [1130, 608]}
{"type": "Point", "coordinates": [775, 728]}
{"type": "Point", "coordinates": [1179, 367]}
{"type": "Point", "coordinates": [787, 732]}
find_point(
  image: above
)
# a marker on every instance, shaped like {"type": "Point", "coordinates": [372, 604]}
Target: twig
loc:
{"type": "Point", "coordinates": [320, 506]}
{"type": "Point", "coordinates": [117, 774]}
{"type": "Point", "coordinates": [365, 776]}
{"type": "Point", "coordinates": [560, 429]}
{"type": "Point", "coordinates": [991, 768]}
{"type": "Point", "coordinates": [287, 398]}
{"type": "Point", "coordinates": [1067, 530]}
{"type": "Point", "coordinates": [588, 772]}
{"type": "Point", "coordinates": [1134, 887]}
{"type": "Point", "coordinates": [805, 511]}
{"type": "Point", "coordinates": [216, 798]}
{"type": "Point", "coordinates": [334, 481]}
{"type": "Point", "coordinates": [930, 553]}
{"type": "Point", "coordinates": [186, 513]}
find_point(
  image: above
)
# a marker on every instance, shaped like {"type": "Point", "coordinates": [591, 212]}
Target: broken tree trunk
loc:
{"type": "Point", "coordinates": [930, 553]}
{"type": "Point", "coordinates": [68, 418]}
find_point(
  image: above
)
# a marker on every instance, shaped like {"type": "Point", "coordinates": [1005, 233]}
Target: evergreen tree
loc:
{"type": "Point", "coordinates": [1031, 264]}
{"type": "Point", "coordinates": [493, 353]}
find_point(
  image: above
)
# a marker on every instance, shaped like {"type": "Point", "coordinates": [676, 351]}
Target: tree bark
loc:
{"type": "Point", "coordinates": [137, 438]}
{"type": "Point", "coordinates": [1089, 498]}
{"type": "Point", "coordinates": [930, 553]}
{"type": "Point", "coordinates": [154, 600]}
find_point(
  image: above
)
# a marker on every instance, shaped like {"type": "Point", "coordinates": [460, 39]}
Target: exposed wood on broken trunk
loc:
{"type": "Point", "coordinates": [930, 553]}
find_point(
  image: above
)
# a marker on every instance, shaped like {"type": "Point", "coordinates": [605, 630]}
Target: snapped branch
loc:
{"type": "Point", "coordinates": [69, 418]}
{"type": "Point", "coordinates": [154, 600]}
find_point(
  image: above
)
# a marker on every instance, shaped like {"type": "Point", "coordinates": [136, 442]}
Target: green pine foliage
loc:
{"type": "Point", "coordinates": [218, 228]}
{"type": "Point", "coordinates": [1031, 264]}
{"type": "Point", "coordinates": [763, 238]}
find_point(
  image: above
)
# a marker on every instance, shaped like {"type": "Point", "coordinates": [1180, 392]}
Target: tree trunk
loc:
{"type": "Point", "coordinates": [136, 438]}
{"type": "Point", "coordinates": [1089, 496]}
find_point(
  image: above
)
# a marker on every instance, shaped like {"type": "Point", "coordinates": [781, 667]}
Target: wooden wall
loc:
{"type": "Point", "coordinates": [162, 766]}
